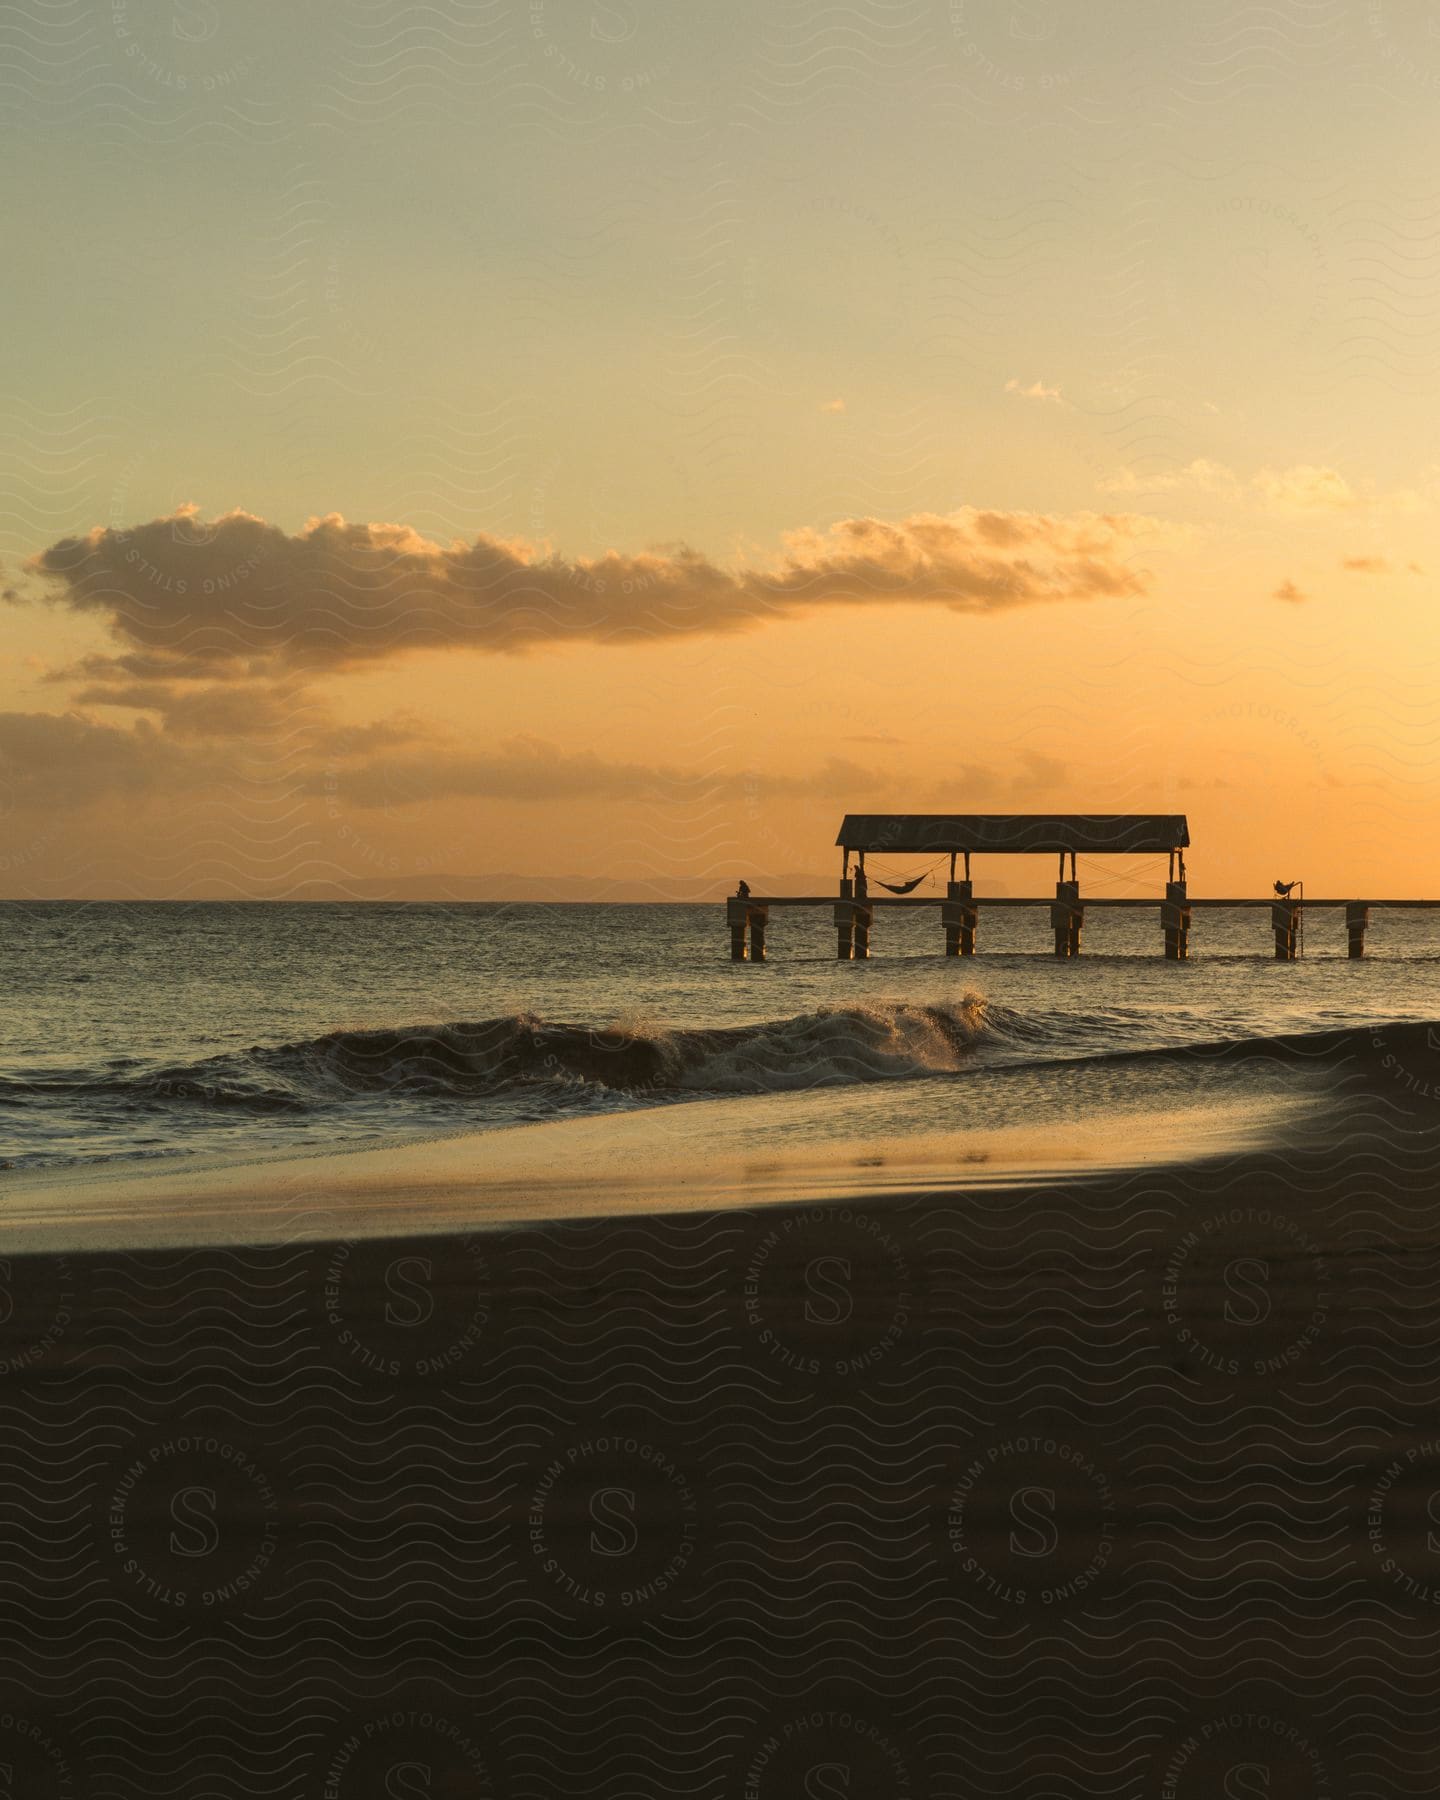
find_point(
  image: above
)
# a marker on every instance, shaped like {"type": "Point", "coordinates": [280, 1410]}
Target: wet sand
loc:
{"type": "Point", "coordinates": [1117, 1477]}
{"type": "Point", "coordinates": [716, 1154]}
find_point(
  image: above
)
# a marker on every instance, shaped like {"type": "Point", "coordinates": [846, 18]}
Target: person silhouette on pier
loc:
{"type": "Point", "coordinates": [743, 891]}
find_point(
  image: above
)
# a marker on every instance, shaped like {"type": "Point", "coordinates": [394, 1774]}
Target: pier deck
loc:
{"type": "Point", "coordinates": [1090, 900]}
{"type": "Point", "coordinates": [957, 837]}
{"type": "Point", "coordinates": [961, 911]}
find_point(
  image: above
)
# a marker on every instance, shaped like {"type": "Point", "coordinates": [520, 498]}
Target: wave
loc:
{"type": "Point", "coordinates": [832, 1046]}
{"type": "Point", "coordinates": [570, 1067]}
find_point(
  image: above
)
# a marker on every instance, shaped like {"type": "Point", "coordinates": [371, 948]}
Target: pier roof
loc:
{"type": "Point", "coordinates": [1088, 834]}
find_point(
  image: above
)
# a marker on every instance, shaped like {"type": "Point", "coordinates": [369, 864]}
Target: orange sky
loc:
{"type": "Point", "coordinates": [1031, 419]}
{"type": "Point", "coordinates": [1296, 735]}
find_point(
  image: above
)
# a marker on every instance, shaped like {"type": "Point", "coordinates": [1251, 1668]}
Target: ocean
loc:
{"type": "Point", "coordinates": [137, 1031]}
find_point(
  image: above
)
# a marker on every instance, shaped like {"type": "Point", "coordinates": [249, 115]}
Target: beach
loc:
{"type": "Point", "coordinates": [720, 927]}
{"type": "Point", "coordinates": [1020, 1481]}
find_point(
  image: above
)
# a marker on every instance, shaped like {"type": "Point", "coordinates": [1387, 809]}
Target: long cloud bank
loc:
{"type": "Point", "coordinates": [59, 762]}
{"type": "Point", "coordinates": [237, 596]}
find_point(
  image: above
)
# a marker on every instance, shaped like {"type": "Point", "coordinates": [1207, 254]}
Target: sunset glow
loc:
{"type": "Point", "coordinates": [1062, 448]}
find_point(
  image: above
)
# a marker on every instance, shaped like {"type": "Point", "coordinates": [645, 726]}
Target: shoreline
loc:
{"type": "Point", "coordinates": [729, 1153]}
{"type": "Point", "coordinates": [616, 1166]}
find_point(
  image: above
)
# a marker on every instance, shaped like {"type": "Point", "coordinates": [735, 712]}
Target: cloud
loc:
{"type": "Point", "coordinates": [238, 598]}
{"type": "Point", "coordinates": [1300, 491]}
{"type": "Point", "coordinates": [1030, 775]}
{"type": "Point", "coordinates": [67, 763]}
{"type": "Point", "coordinates": [1288, 592]}
{"type": "Point", "coordinates": [1308, 488]}
{"type": "Point", "coordinates": [524, 768]}
{"type": "Point", "coordinates": [215, 711]}
{"type": "Point", "coordinates": [1200, 476]}
{"type": "Point", "coordinates": [833, 406]}
{"type": "Point", "coordinates": [1033, 390]}
{"type": "Point", "coordinates": [531, 769]}
{"type": "Point", "coordinates": [53, 762]}
{"type": "Point", "coordinates": [50, 760]}
{"type": "Point", "coordinates": [528, 768]}
{"type": "Point", "coordinates": [1377, 565]}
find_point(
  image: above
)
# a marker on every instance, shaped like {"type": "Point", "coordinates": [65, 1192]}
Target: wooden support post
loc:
{"type": "Point", "coordinates": [864, 915]}
{"type": "Point", "coordinates": [742, 917]}
{"type": "Point", "coordinates": [1067, 916]}
{"type": "Point", "coordinates": [960, 918]}
{"type": "Point", "coordinates": [1175, 917]}
{"type": "Point", "coordinates": [1285, 920]}
{"type": "Point", "coordinates": [844, 926]}
{"type": "Point", "coordinates": [845, 921]}
{"type": "Point", "coordinates": [1357, 917]}
{"type": "Point", "coordinates": [735, 913]}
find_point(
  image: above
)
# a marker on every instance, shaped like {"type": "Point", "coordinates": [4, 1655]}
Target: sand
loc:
{"type": "Point", "coordinates": [710, 1155]}
{"type": "Point", "coordinates": [1115, 1476]}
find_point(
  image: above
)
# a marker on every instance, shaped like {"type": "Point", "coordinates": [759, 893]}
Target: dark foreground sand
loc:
{"type": "Point", "coordinates": [1118, 1483]}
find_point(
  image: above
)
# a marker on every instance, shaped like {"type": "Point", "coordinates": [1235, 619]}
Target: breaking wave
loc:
{"type": "Point", "coordinates": [832, 1047]}
{"type": "Point", "coordinates": [521, 1069]}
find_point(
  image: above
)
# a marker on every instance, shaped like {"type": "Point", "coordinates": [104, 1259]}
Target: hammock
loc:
{"type": "Point", "coordinates": [902, 887]}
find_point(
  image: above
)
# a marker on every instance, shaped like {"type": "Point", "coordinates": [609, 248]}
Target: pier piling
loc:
{"type": "Point", "coordinates": [844, 931]}
{"type": "Point", "coordinates": [1067, 916]}
{"type": "Point", "coordinates": [960, 917]}
{"type": "Point", "coordinates": [743, 916]}
{"type": "Point", "coordinates": [1285, 919]}
{"type": "Point", "coordinates": [1357, 917]}
{"type": "Point", "coordinates": [845, 920]}
{"type": "Point", "coordinates": [1175, 917]}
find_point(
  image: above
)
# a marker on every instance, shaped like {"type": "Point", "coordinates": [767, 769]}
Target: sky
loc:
{"type": "Point", "coordinates": [614, 440]}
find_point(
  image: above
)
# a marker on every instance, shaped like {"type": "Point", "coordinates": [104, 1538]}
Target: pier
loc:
{"type": "Point", "coordinates": [959, 837]}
